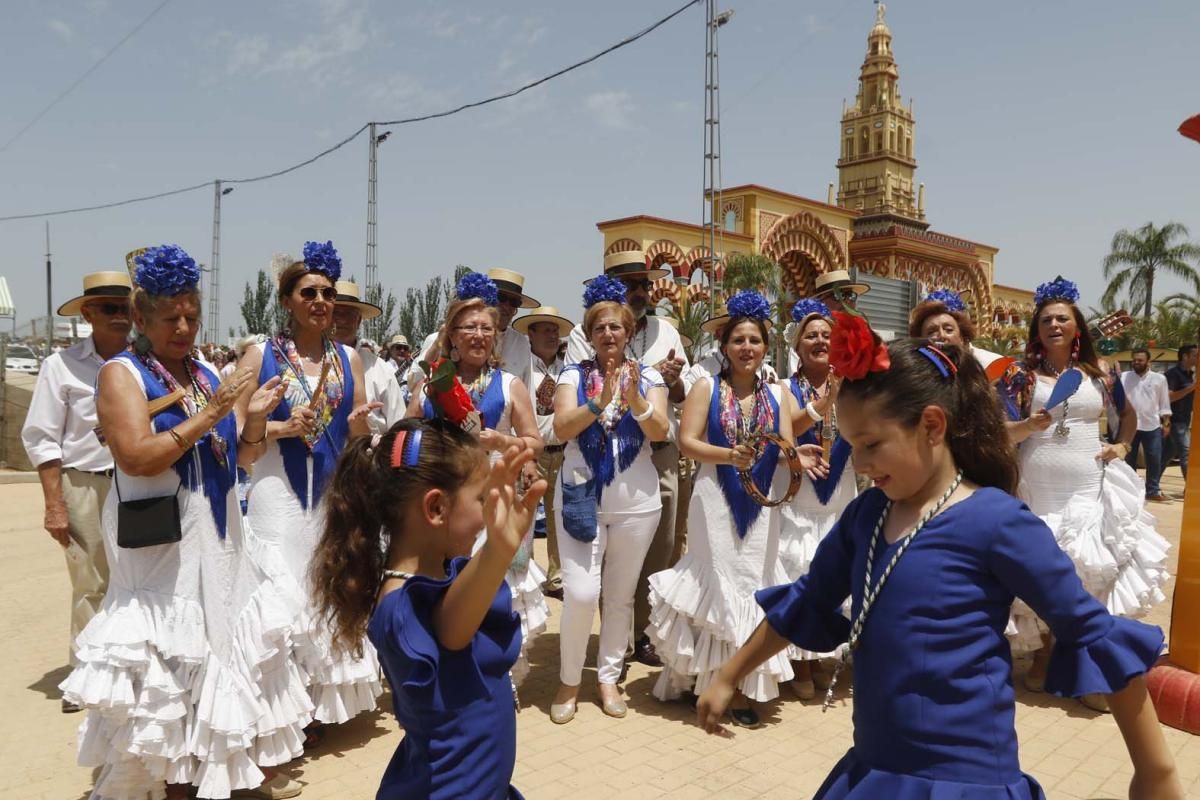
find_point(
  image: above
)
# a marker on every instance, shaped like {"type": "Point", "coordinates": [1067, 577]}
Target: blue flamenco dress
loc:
{"type": "Point", "coordinates": [456, 707]}
{"type": "Point", "coordinates": [933, 697]}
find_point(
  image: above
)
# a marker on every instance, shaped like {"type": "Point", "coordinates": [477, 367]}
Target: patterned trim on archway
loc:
{"type": "Point", "coordinates": [972, 279]}
{"type": "Point", "coordinates": [622, 246]}
{"type": "Point", "coordinates": [665, 251]}
{"type": "Point", "coordinates": [664, 289]}
{"type": "Point", "coordinates": [805, 234]}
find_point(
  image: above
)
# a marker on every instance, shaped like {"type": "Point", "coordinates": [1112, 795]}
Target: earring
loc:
{"type": "Point", "coordinates": [142, 344]}
{"type": "Point", "coordinates": [1075, 349]}
{"type": "Point", "coordinates": [454, 356]}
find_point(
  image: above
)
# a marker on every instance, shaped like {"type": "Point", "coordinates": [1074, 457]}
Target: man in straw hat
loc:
{"type": "Point", "coordinates": [75, 469]}
{"type": "Point", "coordinates": [512, 345]}
{"type": "Point", "coordinates": [546, 328]}
{"type": "Point", "coordinates": [654, 343]}
{"type": "Point", "coordinates": [379, 380]}
{"type": "Point", "coordinates": [836, 290]}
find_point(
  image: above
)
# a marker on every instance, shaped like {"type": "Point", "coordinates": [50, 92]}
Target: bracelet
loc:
{"type": "Point", "coordinates": [259, 440]}
{"type": "Point", "coordinates": [813, 414]}
{"type": "Point", "coordinates": [645, 415]}
{"type": "Point", "coordinates": [179, 440]}
{"type": "Point", "coordinates": [594, 407]}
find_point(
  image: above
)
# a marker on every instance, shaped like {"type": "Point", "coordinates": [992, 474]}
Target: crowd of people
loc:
{"type": "Point", "coordinates": [921, 509]}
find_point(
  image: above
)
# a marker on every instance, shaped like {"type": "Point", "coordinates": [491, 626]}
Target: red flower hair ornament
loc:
{"type": "Point", "coordinates": [854, 349]}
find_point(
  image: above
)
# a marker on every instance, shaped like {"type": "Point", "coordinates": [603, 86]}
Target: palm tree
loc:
{"type": "Point", "coordinates": [754, 271]}
{"type": "Point", "coordinates": [1136, 257]}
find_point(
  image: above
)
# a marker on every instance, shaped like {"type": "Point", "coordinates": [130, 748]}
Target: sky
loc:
{"type": "Point", "coordinates": [1042, 128]}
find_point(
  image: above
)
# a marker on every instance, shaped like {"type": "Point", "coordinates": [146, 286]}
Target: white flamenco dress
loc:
{"type": "Point", "coordinates": [282, 536]}
{"type": "Point", "coordinates": [703, 609]}
{"type": "Point", "coordinates": [183, 672]}
{"type": "Point", "coordinates": [1096, 511]}
{"type": "Point", "coordinates": [524, 576]}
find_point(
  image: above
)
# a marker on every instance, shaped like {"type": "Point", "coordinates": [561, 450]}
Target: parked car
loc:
{"type": "Point", "coordinates": [21, 358]}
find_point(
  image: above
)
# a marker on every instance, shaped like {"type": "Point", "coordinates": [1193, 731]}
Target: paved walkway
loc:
{"type": "Point", "coordinates": [655, 752]}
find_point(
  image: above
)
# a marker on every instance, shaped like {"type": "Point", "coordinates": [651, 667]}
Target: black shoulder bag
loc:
{"type": "Point", "coordinates": [148, 522]}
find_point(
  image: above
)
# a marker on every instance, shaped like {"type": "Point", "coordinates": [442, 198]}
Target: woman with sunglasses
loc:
{"type": "Point", "coordinates": [324, 404]}
{"type": "Point", "coordinates": [467, 339]}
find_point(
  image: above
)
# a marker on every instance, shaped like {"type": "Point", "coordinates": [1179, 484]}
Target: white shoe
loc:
{"type": "Point", "coordinates": [278, 788]}
{"type": "Point", "coordinates": [562, 713]}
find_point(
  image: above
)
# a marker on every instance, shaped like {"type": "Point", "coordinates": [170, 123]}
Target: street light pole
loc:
{"type": "Point", "coordinates": [49, 303]}
{"type": "Point", "coordinates": [214, 290]}
{"type": "Point", "coordinates": [373, 142]}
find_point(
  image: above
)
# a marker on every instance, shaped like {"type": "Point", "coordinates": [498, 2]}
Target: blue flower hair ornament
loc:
{"type": "Point", "coordinates": [476, 284]}
{"type": "Point", "coordinates": [603, 289]}
{"type": "Point", "coordinates": [951, 299]}
{"type": "Point", "coordinates": [748, 304]}
{"type": "Point", "coordinates": [166, 271]}
{"type": "Point", "coordinates": [808, 306]}
{"type": "Point", "coordinates": [323, 258]}
{"type": "Point", "coordinates": [1058, 289]}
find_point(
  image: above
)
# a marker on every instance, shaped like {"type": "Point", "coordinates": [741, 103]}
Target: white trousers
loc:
{"type": "Point", "coordinates": [612, 562]}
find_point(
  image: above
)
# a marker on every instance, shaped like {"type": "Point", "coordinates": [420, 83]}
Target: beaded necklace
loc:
{"type": "Point", "coordinates": [738, 425]}
{"type": "Point", "coordinates": [870, 593]}
{"type": "Point", "coordinates": [194, 401]}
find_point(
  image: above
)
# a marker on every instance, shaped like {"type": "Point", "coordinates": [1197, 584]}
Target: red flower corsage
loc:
{"type": "Point", "coordinates": [854, 349]}
{"type": "Point", "coordinates": [449, 397]}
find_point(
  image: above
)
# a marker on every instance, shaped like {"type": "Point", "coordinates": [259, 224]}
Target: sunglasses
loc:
{"type": "Point", "coordinates": [111, 309]}
{"type": "Point", "coordinates": [633, 284]}
{"type": "Point", "coordinates": [509, 299]}
{"type": "Point", "coordinates": [309, 293]}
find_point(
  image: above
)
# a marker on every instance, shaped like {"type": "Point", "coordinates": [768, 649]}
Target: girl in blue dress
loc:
{"type": "Point", "coordinates": [932, 557]}
{"type": "Point", "coordinates": [403, 509]}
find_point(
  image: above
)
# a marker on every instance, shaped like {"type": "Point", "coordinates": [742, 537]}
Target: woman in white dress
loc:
{"type": "Point", "coordinates": [324, 404]}
{"type": "Point", "coordinates": [703, 608]}
{"type": "Point", "coordinates": [1080, 486]}
{"type": "Point", "coordinates": [468, 340]}
{"type": "Point", "coordinates": [607, 505]}
{"type": "Point", "coordinates": [817, 506]}
{"type": "Point", "coordinates": [179, 671]}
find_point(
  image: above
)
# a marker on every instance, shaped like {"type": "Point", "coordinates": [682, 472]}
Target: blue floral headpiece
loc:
{"type": "Point", "coordinates": [601, 289]}
{"type": "Point", "coordinates": [324, 259]}
{"type": "Point", "coordinates": [951, 299]}
{"type": "Point", "coordinates": [807, 306]}
{"type": "Point", "coordinates": [166, 271]}
{"type": "Point", "coordinates": [476, 284]}
{"type": "Point", "coordinates": [1058, 289]}
{"type": "Point", "coordinates": [748, 304]}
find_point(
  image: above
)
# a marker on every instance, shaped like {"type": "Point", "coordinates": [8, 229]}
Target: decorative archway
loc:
{"type": "Point", "coordinates": [815, 247]}
{"type": "Point", "coordinates": [664, 289]}
{"type": "Point", "coordinates": [622, 246]}
{"type": "Point", "coordinates": [665, 251]}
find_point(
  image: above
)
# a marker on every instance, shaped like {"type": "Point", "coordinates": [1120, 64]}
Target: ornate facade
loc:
{"type": "Point", "coordinates": [877, 225]}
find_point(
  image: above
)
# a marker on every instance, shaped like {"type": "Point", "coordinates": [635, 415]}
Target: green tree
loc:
{"type": "Point", "coordinates": [1136, 257]}
{"type": "Point", "coordinates": [380, 328]}
{"type": "Point", "coordinates": [424, 308]}
{"type": "Point", "coordinates": [261, 312]}
{"type": "Point", "coordinates": [752, 271]}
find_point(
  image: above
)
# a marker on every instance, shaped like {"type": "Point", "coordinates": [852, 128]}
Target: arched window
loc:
{"type": "Point", "coordinates": [731, 220]}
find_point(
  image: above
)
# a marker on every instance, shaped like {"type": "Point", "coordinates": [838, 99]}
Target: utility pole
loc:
{"type": "Point", "coordinates": [49, 295]}
{"type": "Point", "coordinates": [373, 142]}
{"type": "Point", "coordinates": [712, 150]}
{"type": "Point", "coordinates": [213, 327]}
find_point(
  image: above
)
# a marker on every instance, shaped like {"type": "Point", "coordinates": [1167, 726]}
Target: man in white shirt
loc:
{"type": "Point", "coordinates": [546, 329]}
{"type": "Point", "coordinates": [654, 343]}
{"type": "Point", "coordinates": [74, 468]}
{"type": "Point", "coordinates": [1151, 399]}
{"type": "Point", "coordinates": [381, 384]}
{"type": "Point", "coordinates": [513, 345]}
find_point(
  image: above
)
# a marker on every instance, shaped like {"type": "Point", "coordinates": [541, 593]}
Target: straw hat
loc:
{"type": "Point", "coordinates": [399, 338]}
{"type": "Point", "coordinates": [98, 285]}
{"type": "Point", "coordinates": [837, 279]}
{"type": "Point", "coordinates": [631, 264]}
{"type": "Point", "coordinates": [543, 314]}
{"type": "Point", "coordinates": [347, 295]}
{"type": "Point", "coordinates": [508, 281]}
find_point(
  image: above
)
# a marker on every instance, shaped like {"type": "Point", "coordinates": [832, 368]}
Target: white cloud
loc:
{"type": "Point", "coordinates": [342, 35]}
{"type": "Point", "coordinates": [247, 53]}
{"type": "Point", "coordinates": [612, 109]}
{"type": "Point", "coordinates": [403, 95]}
{"type": "Point", "coordinates": [813, 25]}
{"type": "Point", "coordinates": [62, 29]}
{"type": "Point", "coordinates": [342, 39]}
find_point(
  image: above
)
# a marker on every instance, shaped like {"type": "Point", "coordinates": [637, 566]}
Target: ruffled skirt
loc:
{"type": "Point", "coordinates": [851, 779]}
{"type": "Point", "coordinates": [1110, 537]}
{"type": "Point", "coordinates": [525, 578]}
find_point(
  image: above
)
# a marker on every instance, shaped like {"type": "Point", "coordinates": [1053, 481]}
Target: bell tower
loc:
{"type": "Point", "coordinates": [876, 166]}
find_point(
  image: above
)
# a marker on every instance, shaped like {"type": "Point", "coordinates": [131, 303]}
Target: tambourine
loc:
{"type": "Point", "coordinates": [796, 471]}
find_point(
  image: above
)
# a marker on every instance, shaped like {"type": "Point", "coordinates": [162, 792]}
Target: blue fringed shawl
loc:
{"type": "Point", "coordinates": [741, 506]}
{"type": "Point", "coordinates": [839, 454]}
{"type": "Point", "coordinates": [327, 449]}
{"type": "Point", "coordinates": [215, 481]}
{"type": "Point", "coordinates": [595, 443]}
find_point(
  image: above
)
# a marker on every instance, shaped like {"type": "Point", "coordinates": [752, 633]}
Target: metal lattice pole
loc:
{"type": "Point", "coordinates": [712, 150]}
{"type": "Point", "coordinates": [213, 328]}
{"type": "Point", "coordinates": [372, 277]}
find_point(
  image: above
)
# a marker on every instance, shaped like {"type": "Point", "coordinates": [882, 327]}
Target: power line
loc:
{"type": "Point", "coordinates": [466, 106]}
{"type": "Point", "coordinates": [62, 95]}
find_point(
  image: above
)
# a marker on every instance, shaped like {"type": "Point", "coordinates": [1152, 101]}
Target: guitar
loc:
{"type": "Point", "coordinates": [1111, 324]}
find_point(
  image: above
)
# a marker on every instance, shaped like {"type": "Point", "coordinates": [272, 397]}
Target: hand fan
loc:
{"type": "Point", "coordinates": [997, 368]}
{"type": "Point", "coordinates": [1068, 384]}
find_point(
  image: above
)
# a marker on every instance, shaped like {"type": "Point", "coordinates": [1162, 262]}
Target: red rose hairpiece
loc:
{"type": "Point", "coordinates": [854, 349]}
{"type": "Point", "coordinates": [449, 397]}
